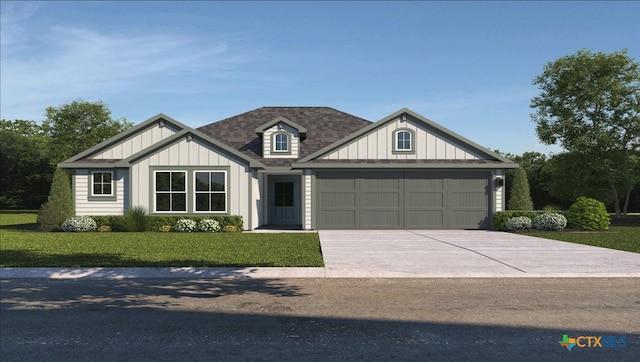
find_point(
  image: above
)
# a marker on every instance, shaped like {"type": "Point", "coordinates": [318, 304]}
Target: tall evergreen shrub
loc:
{"type": "Point", "coordinates": [59, 206]}
{"type": "Point", "coordinates": [520, 196]}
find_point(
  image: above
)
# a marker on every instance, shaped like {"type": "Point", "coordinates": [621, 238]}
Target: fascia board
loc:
{"type": "Point", "coordinates": [89, 165]}
{"type": "Point", "coordinates": [300, 165]}
{"type": "Point", "coordinates": [117, 138]}
{"type": "Point", "coordinates": [277, 120]}
{"type": "Point", "coordinates": [169, 140]}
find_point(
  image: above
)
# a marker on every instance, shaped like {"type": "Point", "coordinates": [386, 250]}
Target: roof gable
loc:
{"type": "Point", "coordinates": [276, 121]}
{"type": "Point", "coordinates": [89, 156]}
{"type": "Point", "coordinates": [462, 148]}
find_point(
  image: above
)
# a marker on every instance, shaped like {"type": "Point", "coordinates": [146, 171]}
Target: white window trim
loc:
{"type": "Point", "coordinates": [411, 141]}
{"type": "Point", "coordinates": [91, 184]}
{"type": "Point", "coordinates": [186, 192]}
{"type": "Point", "coordinates": [273, 142]}
{"type": "Point", "coordinates": [226, 194]}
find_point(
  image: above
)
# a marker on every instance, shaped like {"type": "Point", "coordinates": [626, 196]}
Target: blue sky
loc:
{"type": "Point", "coordinates": [465, 65]}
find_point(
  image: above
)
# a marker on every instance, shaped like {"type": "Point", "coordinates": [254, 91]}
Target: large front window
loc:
{"type": "Point", "coordinates": [171, 191]}
{"type": "Point", "coordinates": [210, 191]}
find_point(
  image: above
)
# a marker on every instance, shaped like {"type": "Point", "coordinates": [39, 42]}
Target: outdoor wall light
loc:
{"type": "Point", "coordinates": [499, 182]}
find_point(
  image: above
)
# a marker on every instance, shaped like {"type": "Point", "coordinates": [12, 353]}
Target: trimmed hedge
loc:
{"type": "Point", "coordinates": [157, 222]}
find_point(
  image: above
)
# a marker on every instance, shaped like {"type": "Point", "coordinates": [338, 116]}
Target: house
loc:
{"type": "Point", "coordinates": [311, 167]}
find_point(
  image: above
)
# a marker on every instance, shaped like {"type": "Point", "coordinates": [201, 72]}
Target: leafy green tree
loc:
{"type": "Point", "coordinates": [520, 197]}
{"type": "Point", "coordinates": [59, 207]}
{"type": "Point", "coordinates": [26, 170]}
{"type": "Point", "coordinates": [589, 103]}
{"type": "Point", "coordinates": [79, 125]}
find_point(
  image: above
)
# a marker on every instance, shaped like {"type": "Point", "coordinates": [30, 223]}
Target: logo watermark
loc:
{"type": "Point", "coordinates": [593, 342]}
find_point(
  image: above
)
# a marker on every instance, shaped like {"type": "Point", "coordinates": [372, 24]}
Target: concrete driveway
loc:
{"type": "Point", "coordinates": [466, 253]}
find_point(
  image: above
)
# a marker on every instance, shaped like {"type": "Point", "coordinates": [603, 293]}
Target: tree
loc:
{"type": "Point", "coordinates": [79, 125]}
{"type": "Point", "coordinates": [590, 104]}
{"type": "Point", "coordinates": [59, 207]}
{"type": "Point", "coordinates": [520, 197]}
{"type": "Point", "coordinates": [26, 171]}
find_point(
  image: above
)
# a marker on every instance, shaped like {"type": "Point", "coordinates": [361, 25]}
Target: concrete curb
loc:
{"type": "Point", "coordinates": [265, 273]}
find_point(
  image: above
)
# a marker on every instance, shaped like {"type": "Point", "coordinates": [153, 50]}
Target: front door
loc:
{"type": "Point", "coordinates": [284, 202]}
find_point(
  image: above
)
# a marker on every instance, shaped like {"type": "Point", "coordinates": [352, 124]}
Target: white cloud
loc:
{"type": "Point", "coordinates": [66, 63]}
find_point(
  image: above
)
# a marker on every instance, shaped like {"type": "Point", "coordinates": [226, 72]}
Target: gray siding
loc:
{"type": "Point", "coordinates": [403, 199]}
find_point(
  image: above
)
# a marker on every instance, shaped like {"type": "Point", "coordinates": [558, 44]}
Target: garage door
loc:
{"type": "Point", "coordinates": [402, 200]}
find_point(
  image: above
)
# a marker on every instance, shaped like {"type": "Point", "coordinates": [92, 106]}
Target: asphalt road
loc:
{"type": "Point", "coordinates": [317, 319]}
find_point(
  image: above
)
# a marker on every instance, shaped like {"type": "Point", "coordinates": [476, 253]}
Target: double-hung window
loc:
{"type": "Point", "coordinates": [210, 191]}
{"type": "Point", "coordinates": [281, 142]}
{"type": "Point", "coordinates": [102, 183]}
{"type": "Point", "coordinates": [170, 191]}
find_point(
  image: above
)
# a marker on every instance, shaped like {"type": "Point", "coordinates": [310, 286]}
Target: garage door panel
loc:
{"type": "Point", "coordinates": [338, 218]}
{"type": "Point", "coordinates": [337, 200]}
{"type": "Point", "coordinates": [381, 219]}
{"type": "Point", "coordinates": [417, 219]}
{"type": "Point", "coordinates": [381, 200]}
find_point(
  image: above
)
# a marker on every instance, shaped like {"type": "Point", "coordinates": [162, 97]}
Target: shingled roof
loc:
{"type": "Point", "coordinates": [324, 126]}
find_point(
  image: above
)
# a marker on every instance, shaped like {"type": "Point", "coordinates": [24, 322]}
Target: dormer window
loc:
{"type": "Point", "coordinates": [403, 140]}
{"type": "Point", "coordinates": [281, 142]}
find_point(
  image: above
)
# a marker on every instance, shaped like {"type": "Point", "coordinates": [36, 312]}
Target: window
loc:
{"type": "Point", "coordinates": [403, 140]}
{"type": "Point", "coordinates": [101, 183]}
{"type": "Point", "coordinates": [210, 191]}
{"type": "Point", "coordinates": [170, 191]}
{"type": "Point", "coordinates": [281, 142]}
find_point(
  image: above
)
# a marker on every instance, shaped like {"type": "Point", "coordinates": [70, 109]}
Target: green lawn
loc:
{"type": "Point", "coordinates": [21, 246]}
{"type": "Point", "coordinates": [618, 237]}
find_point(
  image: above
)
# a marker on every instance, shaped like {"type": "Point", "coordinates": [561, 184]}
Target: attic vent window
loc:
{"type": "Point", "coordinates": [403, 141]}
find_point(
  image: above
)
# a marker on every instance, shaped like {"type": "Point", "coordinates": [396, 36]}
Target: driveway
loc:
{"type": "Point", "coordinates": [466, 253]}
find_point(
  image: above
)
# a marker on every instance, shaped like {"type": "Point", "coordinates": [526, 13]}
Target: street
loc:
{"type": "Point", "coordinates": [317, 319]}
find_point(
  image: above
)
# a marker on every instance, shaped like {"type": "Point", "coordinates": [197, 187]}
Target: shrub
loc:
{"type": "Point", "coordinates": [588, 214]}
{"type": "Point", "coordinates": [137, 218]}
{"type": "Point", "coordinates": [549, 221]}
{"type": "Point", "coordinates": [104, 228]}
{"type": "Point", "coordinates": [209, 225]}
{"type": "Point", "coordinates": [185, 225]}
{"type": "Point", "coordinates": [59, 206]}
{"type": "Point", "coordinates": [518, 223]}
{"type": "Point", "coordinates": [500, 218]}
{"type": "Point", "coordinates": [520, 196]}
{"type": "Point", "coordinates": [78, 224]}
{"type": "Point", "coordinates": [165, 228]}
{"type": "Point", "coordinates": [552, 208]}
{"type": "Point", "coordinates": [229, 228]}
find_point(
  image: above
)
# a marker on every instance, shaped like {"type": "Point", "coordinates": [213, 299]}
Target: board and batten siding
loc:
{"type": "Point", "coordinates": [192, 154]}
{"type": "Point", "coordinates": [267, 138]}
{"type": "Point", "coordinates": [137, 142]}
{"type": "Point", "coordinates": [85, 206]}
{"type": "Point", "coordinates": [378, 145]}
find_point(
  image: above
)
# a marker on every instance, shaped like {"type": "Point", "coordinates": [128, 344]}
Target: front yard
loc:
{"type": "Point", "coordinates": [625, 238]}
{"type": "Point", "coordinates": [22, 246]}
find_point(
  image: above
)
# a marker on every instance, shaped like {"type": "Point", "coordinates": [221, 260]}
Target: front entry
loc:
{"type": "Point", "coordinates": [284, 201]}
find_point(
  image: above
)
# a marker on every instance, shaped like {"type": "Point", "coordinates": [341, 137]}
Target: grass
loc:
{"type": "Point", "coordinates": [625, 238]}
{"type": "Point", "coordinates": [22, 246]}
